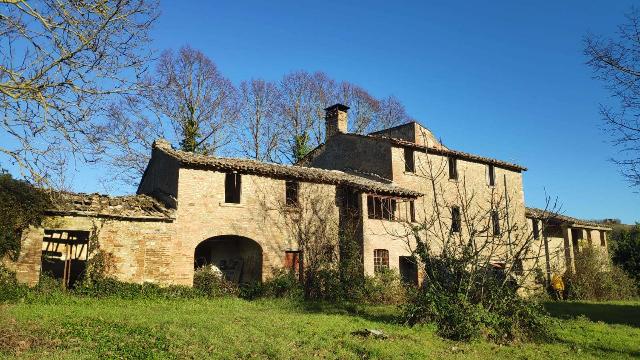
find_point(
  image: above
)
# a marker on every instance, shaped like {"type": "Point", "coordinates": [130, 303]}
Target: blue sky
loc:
{"type": "Point", "coordinates": [503, 79]}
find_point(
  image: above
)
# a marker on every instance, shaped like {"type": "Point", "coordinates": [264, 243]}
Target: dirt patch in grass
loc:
{"type": "Point", "coordinates": [16, 339]}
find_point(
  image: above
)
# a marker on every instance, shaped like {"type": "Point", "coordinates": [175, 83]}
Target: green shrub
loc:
{"type": "Point", "coordinates": [281, 284]}
{"type": "Point", "coordinates": [10, 290]}
{"type": "Point", "coordinates": [596, 278]}
{"type": "Point", "coordinates": [324, 284]}
{"type": "Point", "coordinates": [468, 305]}
{"type": "Point", "coordinates": [211, 283]}
{"type": "Point", "coordinates": [625, 250]}
{"type": "Point", "coordinates": [385, 287]}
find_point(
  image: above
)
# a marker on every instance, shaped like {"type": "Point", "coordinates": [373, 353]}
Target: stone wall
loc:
{"type": "Point", "coordinates": [141, 251]}
{"type": "Point", "coordinates": [260, 216]}
{"type": "Point", "coordinates": [345, 151]}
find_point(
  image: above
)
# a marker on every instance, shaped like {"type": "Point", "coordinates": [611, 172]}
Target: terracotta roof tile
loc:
{"type": "Point", "coordinates": [307, 174]}
{"type": "Point", "coordinates": [541, 214]}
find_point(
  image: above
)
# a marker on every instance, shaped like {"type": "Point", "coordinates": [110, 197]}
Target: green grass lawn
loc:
{"type": "Point", "coordinates": [232, 328]}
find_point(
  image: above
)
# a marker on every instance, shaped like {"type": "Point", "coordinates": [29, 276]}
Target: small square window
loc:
{"type": "Point", "coordinates": [380, 259]}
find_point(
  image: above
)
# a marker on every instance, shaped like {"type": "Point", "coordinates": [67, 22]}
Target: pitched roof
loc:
{"type": "Point", "coordinates": [429, 149]}
{"type": "Point", "coordinates": [306, 174]}
{"type": "Point", "coordinates": [541, 214]}
{"type": "Point", "coordinates": [140, 207]}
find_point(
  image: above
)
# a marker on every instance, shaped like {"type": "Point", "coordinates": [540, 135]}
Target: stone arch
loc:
{"type": "Point", "coordinates": [238, 257]}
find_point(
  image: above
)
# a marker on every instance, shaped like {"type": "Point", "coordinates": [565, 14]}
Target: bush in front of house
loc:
{"type": "Point", "coordinates": [596, 278]}
{"type": "Point", "coordinates": [281, 284]}
{"type": "Point", "coordinates": [385, 287]}
{"type": "Point", "coordinates": [211, 282]}
{"type": "Point", "coordinates": [10, 290]}
{"type": "Point", "coordinates": [465, 306]}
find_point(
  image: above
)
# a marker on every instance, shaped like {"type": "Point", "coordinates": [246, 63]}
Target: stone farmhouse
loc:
{"type": "Point", "coordinates": [252, 218]}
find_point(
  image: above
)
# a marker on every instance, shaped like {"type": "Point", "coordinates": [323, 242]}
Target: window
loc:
{"type": "Point", "coordinates": [380, 259]}
{"type": "Point", "coordinates": [495, 222]}
{"type": "Point", "coordinates": [412, 211]}
{"type": "Point", "coordinates": [292, 261]}
{"type": "Point", "coordinates": [536, 230]}
{"type": "Point", "coordinates": [409, 163]}
{"type": "Point", "coordinates": [453, 168]}
{"type": "Point", "coordinates": [291, 193]}
{"type": "Point", "coordinates": [455, 219]}
{"type": "Point", "coordinates": [232, 182]}
{"type": "Point", "coordinates": [381, 208]}
{"type": "Point", "coordinates": [491, 175]}
{"type": "Point", "coordinates": [603, 238]}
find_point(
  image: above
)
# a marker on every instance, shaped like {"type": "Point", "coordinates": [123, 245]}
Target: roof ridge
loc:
{"type": "Point", "coordinates": [443, 151]}
{"type": "Point", "coordinates": [303, 173]}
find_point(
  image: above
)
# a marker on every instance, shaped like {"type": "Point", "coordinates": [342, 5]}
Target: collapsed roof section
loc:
{"type": "Point", "coordinates": [134, 207]}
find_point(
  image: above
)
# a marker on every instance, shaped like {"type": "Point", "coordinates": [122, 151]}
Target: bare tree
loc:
{"type": "Point", "coordinates": [616, 62]}
{"type": "Point", "coordinates": [258, 130]}
{"type": "Point", "coordinates": [195, 98]}
{"type": "Point", "coordinates": [363, 107]}
{"type": "Point", "coordinates": [186, 101]}
{"type": "Point", "coordinates": [390, 113]}
{"type": "Point", "coordinates": [297, 114]}
{"type": "Point", "coordinates": [61, 62]}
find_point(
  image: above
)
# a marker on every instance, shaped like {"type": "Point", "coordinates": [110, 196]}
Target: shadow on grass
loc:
{"type": "Point", "coordinates": [389, 314]}
{"type": "Point", "coordinates": [623, 314]}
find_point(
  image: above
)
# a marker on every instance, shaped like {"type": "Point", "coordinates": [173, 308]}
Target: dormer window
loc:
{"type": "Point", "coordinates": [409, 161]}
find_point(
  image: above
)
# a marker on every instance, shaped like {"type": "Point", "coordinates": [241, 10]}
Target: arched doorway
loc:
{"type": "Point", "coordinates": [239, 258]}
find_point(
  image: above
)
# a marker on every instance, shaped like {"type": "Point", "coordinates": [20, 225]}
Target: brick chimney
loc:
{"type": "Point", "coordinates": [335, 120]}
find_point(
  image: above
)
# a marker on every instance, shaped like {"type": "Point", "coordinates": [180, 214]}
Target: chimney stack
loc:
{"type": "Point", "coordinates": [335, 120]}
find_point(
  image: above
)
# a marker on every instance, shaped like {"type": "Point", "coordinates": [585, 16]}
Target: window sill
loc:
{"type": "Point", "coordinates": [232, 205]}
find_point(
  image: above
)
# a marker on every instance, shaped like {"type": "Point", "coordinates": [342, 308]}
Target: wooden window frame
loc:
{"type": "Point", "coordinates": [292, 194]}
{"type": "Point", "coordinates": [380, 260]}
{"type": "Point", "coordinates": [381, 208]}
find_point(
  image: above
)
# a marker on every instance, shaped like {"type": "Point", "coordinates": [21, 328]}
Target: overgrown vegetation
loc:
{"type": "Point", "coordinates": [73, 327]}
{"type": "Point", "coordinates": [625, 250]}
{"type": "Point", "coordinates": [465, 306]}
{"type": "Point", "coordinates": [21, 205]}
{"type": "Point", "coordinates": [596, 278]}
